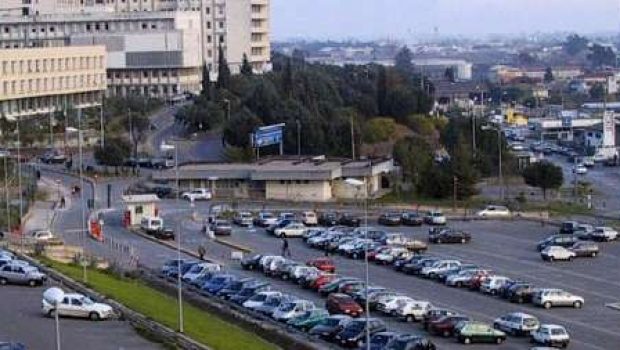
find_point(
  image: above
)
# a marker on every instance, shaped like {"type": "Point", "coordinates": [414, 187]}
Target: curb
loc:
{"type": "Point", "coordinates": [233, 245]}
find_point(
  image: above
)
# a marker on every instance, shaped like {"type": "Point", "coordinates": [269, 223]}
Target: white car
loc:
{"type": "Point", "coordinates": [413, 310]}
{"type": "Point", "coordinates": [42, 235]}
{"type": "Point", "coordinates": [150, 224]}
{"type": "Point", "coordinates": [74, 305]}
{"type": "Point", "coordinates": [604, 234]}
{"type": "Point", "coordinates": [438, 267]}
{"type": "Point", "coordinates": [295, 229]}
{"type": "Point", "coordinates": [435, 217]}
{"type": "Point", "coordinates": [199, 270]}
{"type": "Point", "coordinates": [492, 284]}
{"type": "Point", "coordinates": [517, 323]}
{"type": "Point", "coordinates": [551, 335]}
{"type": "Point", "coordinates": [392, 254]}
{"type": "Point", "coordinates": [309, 218]}
{"type": "Point", "coordinates": [554, 252]}
{"type": "Point", "coordinates": [548, 298]}
{"type": "Point", "coordinates": [259, 299]}
{"type": "Point", "coordinates": [580, 169]}
{"type": "Point", "coordinates": [292, 309]}
{"type": "Point", "coordinates": [494, 211]}
{"type": "Point", "coordinates": [197, 194]}
{"type": "Point", "coordinates": [390, 305]}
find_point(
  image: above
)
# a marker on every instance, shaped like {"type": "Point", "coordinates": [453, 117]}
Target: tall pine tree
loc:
{"type": "Point", "coordinates": [206, 82]}
{"type": "Point", "coordinates": [246, 67]}
{"type": "Point", "coordinates": [223, 72]}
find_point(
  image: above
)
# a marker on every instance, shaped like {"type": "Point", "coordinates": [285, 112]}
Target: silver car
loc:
{"type": "Point", "coordinates": [20, 274]}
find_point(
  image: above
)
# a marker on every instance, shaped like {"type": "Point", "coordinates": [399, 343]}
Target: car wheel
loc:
{"type": "Point", "coordinates": [446, 333]}
{"type": "Point", "coordinates": [499, 340]}
{"type": "Point", "coordinates": [466, 340]}
{"type": "Point", "coordinates": [93, 316]}
{"type": "Point", "coordinates": [3, 281]}
{"type": "Point", "coordinates": [459, 284]}
{"type": "Point", "coordinates": [593, 254]}
{"type": "Point", "coordinates": [354, 255]}
{"type": "Point", "coordinates": [32, 283]}
{"type": "Point", "coordinates": [547, 305]}
{"type": "Point", "coordinates": [577, 304]}
{"type": "Point", "coordinates": [410, 318]}
{"type": "Point", "coordinates": [360, 343]}
{"type": "Point", "coordinates": [520, 300]}
{"type": "Point", "coordinates": [493, 292]}
{"type": "Point", "coordinates": [550, 258]}
{"type": "Point", "coordinates": [463, 241]}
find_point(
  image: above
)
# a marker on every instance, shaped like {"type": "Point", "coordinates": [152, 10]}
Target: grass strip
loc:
{"type": "Point", "coordinates": [199, 325]}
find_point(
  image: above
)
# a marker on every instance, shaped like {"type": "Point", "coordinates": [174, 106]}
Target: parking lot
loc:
{"type": "Point", "coordinates": [27, 325]}
{"type": "Point", "coordinates": [506, 247]}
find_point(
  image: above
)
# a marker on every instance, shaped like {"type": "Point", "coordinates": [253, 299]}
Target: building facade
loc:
{"type": "Point", "coordinates": [42, 80]}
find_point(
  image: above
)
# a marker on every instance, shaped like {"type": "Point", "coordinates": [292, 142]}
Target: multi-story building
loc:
{"type": "Point", "coordinates": [237, 26]}
{"type": "Point", "coordinates": [154, 53]}
{"type": "Point", "coordinates": [435, 68]}
{"type": "Point", "coordinates": [42, 80]}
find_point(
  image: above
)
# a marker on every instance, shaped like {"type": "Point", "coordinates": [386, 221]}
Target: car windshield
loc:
{"type": "Point", "coordinates": [356, 325]}
{"type": "Point", "coordinates": [195, 269]}
{"type": "Point", "coordinates": [275, 301]}
{"type": "Point", "coordinates": [287, 307]}
{"type": "Point", "coordinates": [258, 297]}
{"type": "Point", "coordinates": [331, 322]}
{"type": "Point", "coordinates": [557, 331]}
{"type": "Point", "coordinates": [530, 322]}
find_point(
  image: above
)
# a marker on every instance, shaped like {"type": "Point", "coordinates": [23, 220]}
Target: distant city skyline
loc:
{"type": "Point", "coordinates": [412, 19]}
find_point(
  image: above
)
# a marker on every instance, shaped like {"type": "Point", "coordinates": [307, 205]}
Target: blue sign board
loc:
{"type": "Point", "coordinates": [567, 122]}
{"type": "Point", "coordinates": [268, 135]}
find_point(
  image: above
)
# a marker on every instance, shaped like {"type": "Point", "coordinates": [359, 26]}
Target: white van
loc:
{"type": "Point", "coordinates": [199, 270]}
{"type": "Point", "coordinates": [151, 224]}
{"type": "Point", "coordinates": [492, 284]}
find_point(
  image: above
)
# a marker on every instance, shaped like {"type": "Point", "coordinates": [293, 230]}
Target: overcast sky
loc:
{"type": "Point", "coordinates": [405, 19]}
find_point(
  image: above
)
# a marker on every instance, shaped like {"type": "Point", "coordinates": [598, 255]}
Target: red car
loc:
{"type": "Point", "coordinates": [321, 281]}
{"type": "Point", "coordinates": [445, 325]}
{"type": "Point", "coordinates": [373, 253]}
{"type": "Point", "coordinates": [338, 303]}
{"type": "Point", "coordinates": [477, 279]}
{"type": "Point", "coordinates": [323, 264]}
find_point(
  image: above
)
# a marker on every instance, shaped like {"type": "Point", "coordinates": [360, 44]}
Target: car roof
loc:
{"type": "Point", "coordinates": [74, 295]}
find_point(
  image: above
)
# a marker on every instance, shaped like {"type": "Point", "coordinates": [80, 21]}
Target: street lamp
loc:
{"type": "Point", "coordinates": [499, 151]}
{"type": "Point", "coordinates": [5, 156]}
{"type": "Point", "coordinates": [78, 130]}
{"type": "Point", "coordinates": [165, 148]}
{"type": "Point", "coordinates": [361, 185]}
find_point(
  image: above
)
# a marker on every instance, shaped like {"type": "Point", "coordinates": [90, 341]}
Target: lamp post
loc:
{"type": "Point", "coordinates": [81, 174]}
{"type": "Point", "coordinates": [165, 148]}
{"type": "Point", "coordinates": [499, 151]}
{"type": "Point", "coordinates": [19, 186]}
{"type": "Point", "coordinates": [361, 185]}
{"type": "Point", "coordinates": [5, 156]}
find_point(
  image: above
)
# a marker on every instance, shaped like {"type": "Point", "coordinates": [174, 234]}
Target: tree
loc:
{"type": "Point", "coordinates": [382, 91]}
{"type": "Point", "coordinates": [526, 58]}
{"type": "Point", "coordinates": [238, 129]}
{"type": "Point", "coordinates": [206, 81]}
{"type": "Point", "coordinates": [378, 130]}
{"type": "Point", "coordinates": [415, 157]}
{"type": "Point", "coordinates": [115, 152]}
{"type": "Point", "coordinates": [602, 56]}
{"type": "Point", "coordinates": [450, 75]}
{"type": "Point", "coordinates": [575, 44]}
{"type": "Point", "coordinates": [598, 91]}
{"type": "Point", "coordinates": [246, 67]}
{"type": "Point", "coordinates": [223, 71]}
{"type": "Point", "coordinates": [549, 75]}
{"type": "Point", "coordinates": [544, 175]}
{"type": "Point", "coordinates": [403, 61]}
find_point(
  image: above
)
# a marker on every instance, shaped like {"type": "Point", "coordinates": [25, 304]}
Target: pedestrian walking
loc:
{"type": "Point", "coordinates": [286, 251]}
{"type": "Point", "coordinates": [62, 202]}
{"type": "Point", "coordinates": [201, 252]}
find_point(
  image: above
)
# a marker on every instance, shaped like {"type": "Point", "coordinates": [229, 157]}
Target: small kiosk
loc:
{"type": "Point", "coordinates": [139, 206]}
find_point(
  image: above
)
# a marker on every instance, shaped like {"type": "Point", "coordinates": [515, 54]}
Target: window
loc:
{"type": "Point", "coordinates": [208, 25]}
{"type": "Point", "coordinates": [221, 24]}
{"type": "Point", "coordinates": [221, 38]}
{"type": "Point", "coordinates": [139, 209]}
{"type": "Point", "coordinates": [209, 38]}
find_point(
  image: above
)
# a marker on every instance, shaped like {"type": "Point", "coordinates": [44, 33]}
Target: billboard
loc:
{"type": "Point", "coordinates": [267, 135]}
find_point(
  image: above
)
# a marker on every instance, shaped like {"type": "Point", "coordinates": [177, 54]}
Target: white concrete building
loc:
{"type": "Point", "coordinates": [435, 68]}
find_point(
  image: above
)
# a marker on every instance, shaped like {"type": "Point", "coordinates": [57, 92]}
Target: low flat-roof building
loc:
{"type": "Point", "coordinates": [309, 179]}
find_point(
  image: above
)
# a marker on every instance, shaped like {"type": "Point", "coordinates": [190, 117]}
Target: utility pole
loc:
{"type": "Point", "coordinates": [298, 138]}
{"type": "Point", "coordinates": [352, 139]}
{"type": "Point", "coordinates": [454, 191]}
{"type": "Point", "coordinates": [51, 130]}
{"type": "Point", "coordinates": [101, 124]}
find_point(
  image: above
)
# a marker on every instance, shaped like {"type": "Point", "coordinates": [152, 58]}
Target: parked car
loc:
{"type": "Point", "coordinates": [249, 291]}
{"type": "Point", "coordinates": [197, 194]}
{"type": "Point", "coordinates": [435, 314]}
{"type": "Point", "coordinates": [164, 233]}
{"type": "Point", "coordinates": [440, 236]}
{"type": "Point", "coordinates": [569, 227]}
{"type": "Point", "coordinates": [42, 235]}
{"type": "Point", "coordinates": [169, 266]}
{"type": "Point", "coordinates": [265, 219]}
{"type": "Point", "coordinates": [16, 273]}
{"type": "Point", "coordinates": [273, 303]}
{"type": "Point", "coordinates": [466, 277]}
{"type": "Point", "coordinates": [390, 219]}
{"type": "Point", "coordinates": [218, 283]}
{"type": "Point", "coordinates": [73, 305]}
{"type": "Point", "coordinates": [475, 332]}
{"type": "Point", "coordinates": [520, 293]}
{"type": "Point", "coordinates": [292, 309]}
{"type": "Point", "coordinates": [580, 169]}
{"type": "Point", "coordinates": [199, 270]}
{"type": "Point", "coordinates": [585, 249]}
{"type": "Point", "coordinates": [379, 341]}
{"type": "Point", "coordinates": [339, 303]}
{"type": "Point", "coordinates": [604, 234]}
{"type": "Point", "coordinates": [548, 298]}
{"type": "Point", "coordinates": [243, 219]}
{"type": "Point", "coordinates": [354, 333]}
{"type": "Point", "coordinates": [445, 326]}
{"type": "Point", "coordinates": [565, 241]}
{"type": "Point", "coordinates": [323, 264]}
{"type": "Point", "coordinates": [435, 217]}
{"type": "Point", "coordinates": [410, 342]}
{"type": "Point", "coordinates": [251, 262]}
{"type": "Point", "coordinates": [389, 306]}
{"type": "Point", "coordinates": [494, 211]}
{"type": "Point", "coordinates": [233, 287]}
{"type": "Point", "coordinates": [553, 253]}
{"type": "Point", "coordinates": [349, 220]}
{"type": "Point", "coordinates": [551, 335]}
{"type": "Point", "coordinates": [12, 346]}
{"type": "Point", "coordinates": [328, 219]}
{"type": "Point", "coordinates": [309, 319]}
{"type": "Point", "coordinates": [411, 219]}
{"type": "Point", "coordinates": [438, 267]}
{"type": "Point", "coordinates": [309, 218]}
{"type": "Point", "coordinates": [150, 224]}
{"type": "Point", "coordinates": [294, 229]}
{"type": "Point", "coordinates": [493, 284]}
{"type": "Point", "coordinates": [517, 323]}
{"type": "Point", "coordinates": [330, 326]}
{"type": "Point", "coordinates": [413, 311]}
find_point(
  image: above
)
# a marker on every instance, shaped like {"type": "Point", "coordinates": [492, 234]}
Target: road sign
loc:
{"type": "Point", "coordinates": [267, 135]}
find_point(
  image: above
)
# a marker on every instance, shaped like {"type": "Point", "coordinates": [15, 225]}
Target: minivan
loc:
{"type": "Point", "coordinates": [151, 224]}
